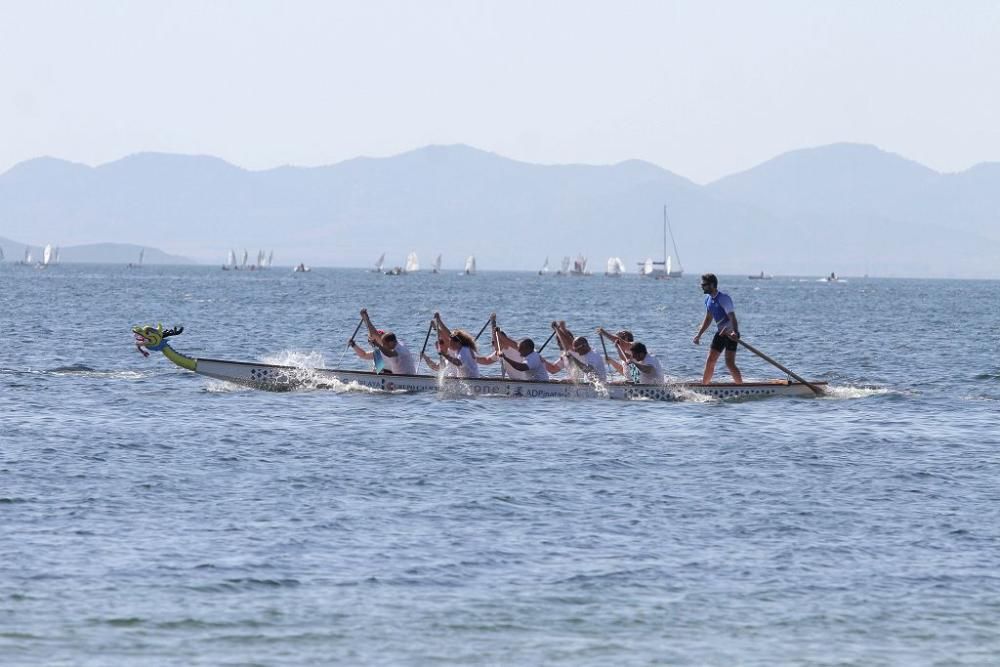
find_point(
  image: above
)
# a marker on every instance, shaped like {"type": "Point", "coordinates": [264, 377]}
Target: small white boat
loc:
{"type": "Point", "coordinates": [274, 377]}
{"type": "Point", "coordinates": [470, 265]}
{"type": "Point", "coordinates": [138, 264]}
{"type": "Point", "coordinates": [615, 267]}
{"type": "Point", "coordinates": [760, 276]}
{"type": "Point", "coordinates": [412, 265]}
{"type": "Point", "coordinates": [379, 263]}
{"type": "Point", "coordinates": [46, 258]}
{"type": "Point", "coordinates": [564, 271]}
{"type": "Point", "coordinates": [579, 267]}
{"type": "Point", "coordinates": [301, 268]}
{"type": "Point", "coordinates": [436, 268]}
{"type": "Point", "coordinates": [545, 268]}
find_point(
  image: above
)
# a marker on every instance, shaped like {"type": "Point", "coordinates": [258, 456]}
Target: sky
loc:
{"type": "Point", "coordinates": [704, 89]}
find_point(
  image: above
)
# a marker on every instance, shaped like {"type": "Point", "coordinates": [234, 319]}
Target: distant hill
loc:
{"type": "Point", "coordinates": [847, 208]}
{"type": "Point", "coordinates": [101, 253]}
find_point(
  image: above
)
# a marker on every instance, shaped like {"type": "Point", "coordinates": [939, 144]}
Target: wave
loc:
{"type": "Point", "coordinates": [846, 392]}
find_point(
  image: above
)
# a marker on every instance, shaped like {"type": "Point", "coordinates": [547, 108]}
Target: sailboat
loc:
{"type": "Point", "coordinates": [46, 257]}
{"type": "Point", "coordinates": [470, 265]}
{"type": "Point", "coordinates": [230, 264]}
{"type": "Point", "coordinates": [580, 266]}
{"type": "Point", "coordinates": [564, 271]}
{"type": "Point", "coordinates": [615, 267]}
{"type": "Point", "coordinates": [545, 268]}
{"type": "Point", "coordinates": [28, 259]}
{"type": "Point", "coordinates": [760, 276]}
{"type": "Point", "coordinates": [379, 263]}
{"type": "Point", "coordinates": [412, 265]}
{"type": "Point", "coordinates": [138, 265]}
{"type": "Point", "coordinates": [437, 265]}
{"type": "Point", "coordinates": [270, 258]}
{"type": "Point", "coordinates": [646, 268]}
{"type": "Point", "coordinates": [1, 253]}
{"type": "Point", "coordinates": [667, 271]}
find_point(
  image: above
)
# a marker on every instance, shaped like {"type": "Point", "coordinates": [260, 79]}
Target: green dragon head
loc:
{"type": "Point", "coordinates": [153, 338]}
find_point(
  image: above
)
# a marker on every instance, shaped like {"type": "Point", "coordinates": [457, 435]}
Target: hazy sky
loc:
{"type": "Point", "coordinates": [701, 88]}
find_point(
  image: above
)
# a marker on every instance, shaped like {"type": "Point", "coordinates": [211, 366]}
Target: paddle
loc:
{"type": "Point", "coordinates": [551, 335]}
{"type": "Point", "coordinates": [424, 348]}
{"type": "Point", "coordinates": [496, 338]}
{"type": "Point", "coordinates": [356, 330]}
{"type": "Point", "coordinates": [488, 320]}
{"type": "Point", "coordinates": [816, 390]}
{"type": "Point", "coordinates": [607, 359]}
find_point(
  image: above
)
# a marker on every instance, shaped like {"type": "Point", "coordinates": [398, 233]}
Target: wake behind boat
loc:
{"type": "Point", "coordinates": [274, 377]}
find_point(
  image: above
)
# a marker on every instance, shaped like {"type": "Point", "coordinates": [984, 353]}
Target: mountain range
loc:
{"type": "Point", "coordinates": [849, 208]}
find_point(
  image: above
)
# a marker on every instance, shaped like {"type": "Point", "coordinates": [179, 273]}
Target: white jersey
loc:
{"type": "Point", "coordinates": [655, 374]}
{"type": "Point", "coordinates": [402, 363]}
{"type": "Point", "coordinates": [593, 359]}
{"type": "Point", "coordinates": [536, 369]}
{"type": "Point", "coordinates": [469, 367]}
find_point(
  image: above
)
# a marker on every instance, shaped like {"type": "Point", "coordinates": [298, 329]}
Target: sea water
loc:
{"type": "Point", "coordinates": [152, 516]}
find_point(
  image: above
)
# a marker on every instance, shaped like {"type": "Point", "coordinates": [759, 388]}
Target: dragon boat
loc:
{"type": "Point", "coordinates": [273, 377]}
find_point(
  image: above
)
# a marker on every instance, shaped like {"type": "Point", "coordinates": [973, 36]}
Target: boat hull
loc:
{"type": "Point", "coordinates": [285, 378]}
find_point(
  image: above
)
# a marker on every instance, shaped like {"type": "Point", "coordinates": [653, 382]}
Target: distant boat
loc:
{"type": "Point", "coordinates": [412, 265]}
{"type": "Point", "coordinates": [301, 268]}
{"type": "Point", "coordinates": [761, 276]}
{"type": "Point", "coordinates": [28, 259]}
{"type": "Point", "coordinates": [245, 255]}
{"type": "Point", "coordinates": [470, 265]}
{"type": "Point", "coordinates": [138, 265]}
{"type": "Point", "coordinates": [437, 265]}
{"type": "Point", "coordinates": [579, 266]}
{"type": "Point", "coordinates": [1, 253]}
{"type": "Point", "coordinates": [615, 267]}
{"type": "Point", "coordinates": [270, 258]}
{"type": "Point", "coordinates": [230, 264]}
{"type": "Point", "coordinates": [46, 257]}
{"type": "Point", "coordinates": [545, 268]}
{"type": "Point", "coordinates": [667, 271]}
{"type": "Point", "coordinates": [564, 271]}
{"type": "Point", "coordinates": [832, 278]}
{"type": "Point", "coordinates": [379, 263]}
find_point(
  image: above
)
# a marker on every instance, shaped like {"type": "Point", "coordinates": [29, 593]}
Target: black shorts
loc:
{"type": "Point", "coordinates": [723, 342]}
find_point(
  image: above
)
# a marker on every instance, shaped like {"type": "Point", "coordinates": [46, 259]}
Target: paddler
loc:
{"type": "Point", "coordinates": [388, 354]}
{"type": "Point", "coordinates": [457, 348]}
{"type": "Point", "coordinates": [577, 357]}
{"type": "Point", "coordinates": [720, 308]}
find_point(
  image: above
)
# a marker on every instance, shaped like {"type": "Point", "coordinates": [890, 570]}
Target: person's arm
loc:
{"type": "Point", "coordinates": [515, 364]}
{"type": "Point", "coordinates": [377, 342]}
{"type": "Point", "coordinates": [488, 359]}
{"type": "Point", "coordinates": [360, 351]}
{"type": "Point", "coordinates": [618, 366]}
{"type": "Point", "coordinates": [643, 368]}
{"type": "Point", "coordinates": [444, 333]}
{"type": "Point", "coordinates": [553, 367]}
{"type": "Point", "coordinates": [735, 333]}
{"type": "Point", "coordinates": [704, 326]}
{"type": "Point", "coordinates": [372, 331]}
{"type": "Point", "coordinates": [431, 364]}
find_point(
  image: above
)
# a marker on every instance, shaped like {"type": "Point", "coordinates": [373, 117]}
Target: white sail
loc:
{"type": "Point", "coordinates": [411, 263]}
{"type": "Point", "coordinates": [245, 255]}
{"type": "Point", "coordinates": [647, 268]}
{"type": "Point", "coordinates": [470, 264]}
{"type": "Point", "coordinates": [47, 255]}
{"type": "Point", "coordinates": [231, 260]}
{"type": "Point", "coordinates": [545, 267]}
{"type": "Point", "coordinates": [613, 266]}
{"type": "Point", "coordinates": [565, 265]}
{"type": "Point", "coordinates": [379, 263]}
{"type": "Point", "coordinates": [27, 255]}
{"type": "Point", "coordinates": [437, 264]}
{"type": "Point", "coordinates": [270, 258]}
{"type": "Point", "coordinates": [1, 254]}
{"type": "Point", "coordinates": [55, 256]}
{"type": "Point", "coordinates": [668, 266]}
{"type": "Point", "coordinates": [142, 253]}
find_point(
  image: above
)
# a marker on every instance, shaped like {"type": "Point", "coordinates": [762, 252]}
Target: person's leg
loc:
{"type": "Point", "coordinates": [731, 365]}
{"type": "Point", "coordinates": [713, 356]}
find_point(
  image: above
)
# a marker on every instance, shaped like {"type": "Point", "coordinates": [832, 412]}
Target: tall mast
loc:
{"type": "Point", "coordinates": [664, 238]}
{"type": "Point", "coordinates": [666, 223]}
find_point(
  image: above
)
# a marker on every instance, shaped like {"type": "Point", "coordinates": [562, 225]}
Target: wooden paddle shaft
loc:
{"type": "Point", "coordinates": [774, 363]}
{"type": "Point", "coordinates": [546, 342]}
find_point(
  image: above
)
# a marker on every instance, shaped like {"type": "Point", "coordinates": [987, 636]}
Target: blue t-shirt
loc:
{"type": "Point", "coordinates": [720, 307]}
